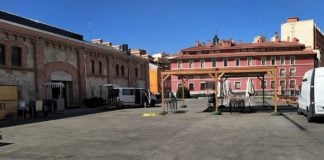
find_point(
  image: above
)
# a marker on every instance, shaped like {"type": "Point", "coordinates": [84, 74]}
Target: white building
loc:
{"type": "Point", "coordinates": [307, 32]}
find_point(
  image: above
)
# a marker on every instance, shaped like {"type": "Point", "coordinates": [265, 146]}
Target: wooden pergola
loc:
{"type": "Point", "coordinates": [218, 73]}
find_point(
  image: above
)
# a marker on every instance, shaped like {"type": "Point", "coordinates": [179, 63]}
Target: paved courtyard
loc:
{"type": "Point", "coordinates": [127, 135]}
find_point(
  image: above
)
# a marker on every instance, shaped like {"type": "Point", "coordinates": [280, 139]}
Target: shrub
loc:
{"type": "Point", "coordinates": [186, 92]}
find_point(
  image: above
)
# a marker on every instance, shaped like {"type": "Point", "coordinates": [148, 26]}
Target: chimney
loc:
{"type": "Point", "coordinates": [96, 41]}
{"type": "Point", "coordinates": [209, 43]}
{"type": "Point", "coordinates": [292, 19]}
{"type": "Point", "coordinates": [109, 44]}
{"type": "Point", "coordinates": [275, 37]}
{"type": "Point", "coordinates": [232, 42]}
{"type": "Point", "coordinates": [225, 43]}
{"type": "Point", "coordinates": [296, 40]}
{"type": "Point", "coordinates": [259, 39]}
{"type": "Point", "coordinates": [197, 44]}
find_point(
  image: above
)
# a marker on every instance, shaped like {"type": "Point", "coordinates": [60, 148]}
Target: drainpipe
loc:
{"type": "Point", "coordinates": [85, 67]}
{"type": "Point", "coordinates": [35, 42]}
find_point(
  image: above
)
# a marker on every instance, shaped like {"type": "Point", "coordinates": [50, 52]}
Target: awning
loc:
{"type": "Point", "coordinates": [110, 85]}
{"type": "Point", "coordinates": [53, 85]}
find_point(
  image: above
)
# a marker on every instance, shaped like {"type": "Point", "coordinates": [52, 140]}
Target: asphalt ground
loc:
{"type": "Point", "coordinates": [189, 135]}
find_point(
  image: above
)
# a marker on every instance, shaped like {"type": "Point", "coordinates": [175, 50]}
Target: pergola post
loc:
{"type": "Point", "coordinates": [216, 88]}
{"type": "Point", "coordinates": [182, 92]}
{"type": "Point", "coordinates": [273, 74]}
{"type": "Point", "coordinates": [183, 81]}
{"type": "Point", "coordinates": [162, 87]}
{"type": "Point", "coordinates": [218, 73]}
{"type": "Point", "coordinates": [163, 78]}
{"type": "Point", "coordinates": [276, 94]}
{"type": "Point", "coordinates": [263, 86]}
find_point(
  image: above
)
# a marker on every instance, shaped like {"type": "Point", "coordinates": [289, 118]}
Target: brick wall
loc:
{"type": "Point", "coordinates": [44, 54]}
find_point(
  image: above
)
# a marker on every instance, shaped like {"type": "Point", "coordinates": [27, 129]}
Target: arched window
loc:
{"type": "Point", "coordinates": [117, 70]}
{"type": "Point", "coordinates": [100, 67]}
{"type": "Point", "coordinates": [122, 70]}
{"type": "Point", "coordinates": [136, 72]}
{"type": "Point", "coordinates": [2, 55]}
{"type": "Point", "coordinates": [16, 56]}
{"type": "Point", "coordinates": [92, 66]}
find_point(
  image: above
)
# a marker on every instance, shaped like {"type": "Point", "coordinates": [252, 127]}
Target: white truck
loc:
{"type": "Point", "coordinates": [130, 96]}
{"type": "Point", "coordinates": [311, 100]}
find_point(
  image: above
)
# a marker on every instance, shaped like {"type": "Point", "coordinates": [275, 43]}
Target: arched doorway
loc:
{"type": "Point", "coordinates": [65, 93]}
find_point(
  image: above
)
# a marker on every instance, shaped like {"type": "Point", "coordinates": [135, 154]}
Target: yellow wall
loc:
{"type": "Point", "coordinates": [153, 81]}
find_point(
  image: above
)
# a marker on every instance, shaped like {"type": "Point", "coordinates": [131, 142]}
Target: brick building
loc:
{"type": "Point", "coordinates": [33, 54]}
{"type": "Point", "coordinates": [292, 59]}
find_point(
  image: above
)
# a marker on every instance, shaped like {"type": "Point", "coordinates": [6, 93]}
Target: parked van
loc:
{"type": "Point", "coordinates": [129, 96]}
{"type": "Point", "coordinates": [311, 101]}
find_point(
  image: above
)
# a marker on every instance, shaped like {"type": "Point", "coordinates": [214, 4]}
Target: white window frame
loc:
{"type": "Point", "coordinates": [193, 86]}
{"type": "Point", "coordinates": [273, 58]}
{"type": "Point", "coordinates": [179, 83]}
{"type": "Point", "coordinates": [265, 84]}
{"type": "Point", "coordinates": [224, 62]}
{"type": "Point", "coordinates": [191, 63]}
{"type": "Point", "coordinates": [295, 71]}
{"type": "Point", "coordinates": [274, 84]}
{"type": "Point", "coordinates": [200, 86]}
{"type": "Point", "coordinates": [239, 82]}
{"type": "Point", "coordinates": [202, 63]}
{"type": "Point", "coordinates": [249, 61]}
{"type": "Point", "coordinates": [283, 87]}
{"type": "Point", "coordinates": [284, 60]}
{"type": "Point", "coordinates": [263, 59]}
{"type": "Point", "coordinates": [290, 80]}
{"type": "Point", "coordinates": [179, 64]}
{"type": "Point", "coordinates": [284, 69]}
{"type": "Point", "coordinates": [212, 62]}
{"type": "Point", "coordinates": [292, 59]}
{"type": "Point", "coordinates": [239, 62]}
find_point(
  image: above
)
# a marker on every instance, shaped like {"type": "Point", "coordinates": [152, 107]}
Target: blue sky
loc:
{"type": "Point", "coordinates": [166, 25]}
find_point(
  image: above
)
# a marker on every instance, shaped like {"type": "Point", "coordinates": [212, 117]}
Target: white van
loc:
{"type": "Point", "coordinates": [311, 101]}
{"type": "Point", "coordinates": [129, 96]}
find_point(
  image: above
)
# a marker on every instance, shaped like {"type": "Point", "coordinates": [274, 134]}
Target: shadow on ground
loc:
{"type": "Point", "coordinates": [252, 109]}
{"type": "Point", "coordinates": [67, 113]}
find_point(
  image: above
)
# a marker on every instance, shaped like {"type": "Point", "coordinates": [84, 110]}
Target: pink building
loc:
{"type": "Point", "coordinates": [292, 59]}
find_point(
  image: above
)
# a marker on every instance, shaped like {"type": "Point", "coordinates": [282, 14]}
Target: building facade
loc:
{"type": "Point", "coordinates": [292, 59]}
{"type": "Point", "coordinates": [307, 32]}
{"type": "Point", "coordinates": [33, 54]}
